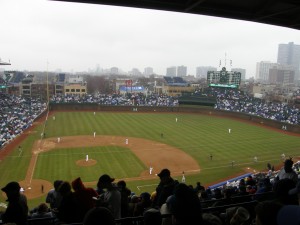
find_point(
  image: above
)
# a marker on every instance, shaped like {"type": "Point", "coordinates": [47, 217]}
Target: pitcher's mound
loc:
{"type": "Point", "coordinates": [83, 162]}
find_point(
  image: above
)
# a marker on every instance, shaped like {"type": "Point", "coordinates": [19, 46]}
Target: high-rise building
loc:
{"type": "Point", "coordinates": [242, 71]}
{"type": "Point", "coordinates": [114, 70]}
{"type": "Point", "coordinates": [281, 76]}
{"type": "Point", "coordinates": [171, 71]}
{"type": "Point", "coordinates": [262, 70]}
{"type": "Point", "coordinates": [135, 72]}
{"type": "Point", "coordinates": [181, 71]}
{"type": "Point", "coordinates": [201, 71]}
{"type": "Point", "coordinates": [148, 71]}
{"type": "Point", "coordinates": [289, 54]}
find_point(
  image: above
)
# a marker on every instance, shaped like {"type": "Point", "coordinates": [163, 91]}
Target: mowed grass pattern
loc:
{"type": "Point", "coordinates": [117, 161]}
{"type": "Point", "coordinates": [197, 135]}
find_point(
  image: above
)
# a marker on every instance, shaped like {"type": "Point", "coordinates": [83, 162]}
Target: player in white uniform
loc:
{"type": "Point", "coordinates": [183, 178]}
{"type": "Point", "coordinates": [126, 141]}
{"type": "Point", "coordinates": [150, 170]}
{"type": "Point", "coordinates": [87, 158]}
{"type": "Point", "coordinates": [255, 159]}
{"type": "Point", "coordinates": [94, 134]}
{"type": "Point", "coordinates": [58, 139]}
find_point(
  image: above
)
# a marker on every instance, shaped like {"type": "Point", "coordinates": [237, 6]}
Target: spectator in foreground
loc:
{"type": "Point", "coordinates": [53, 197]}
{"type": "Point", "coordinates": [68, 208]}
{"type": "Point", "coordinates": [165, 188]}
{"type": "Point", "coordinates": [282, 192]}
{"type": "Point", "coordinates": [152, 217]}
{"type": "Point", "coordinates": [99, 216]}
{"type": "Point", "coordinates": [287, 172]}
{"type": "Point", "coordinates": [83, 196]}
{"type": "Point", "coordinates": [111, 197]}
{"type": "Point", "coordinates": [266, 213]}
{"type": "Point", "coordinates": [144, 204]}
{"type": "Point", "coordinates": [42, 212]}
{"type": "Point", "coordinates": [17, 209]}
{"type": "Point", "coordinates": [185, 206]}
{"type": "Point", "coordinates": [125, 193]}
{"type": "Point", "coordinates": [289, 214]}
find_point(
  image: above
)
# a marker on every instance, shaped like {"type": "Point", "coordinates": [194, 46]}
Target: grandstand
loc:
{"type": "Point", "coordinates": [214, 200]}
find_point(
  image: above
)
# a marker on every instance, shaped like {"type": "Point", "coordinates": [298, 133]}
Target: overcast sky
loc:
{"type": "Point", "coordinates": [78, 37]}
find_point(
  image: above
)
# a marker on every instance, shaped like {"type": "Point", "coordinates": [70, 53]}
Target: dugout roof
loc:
{"type": "Point", "coordinates": [284, 13]}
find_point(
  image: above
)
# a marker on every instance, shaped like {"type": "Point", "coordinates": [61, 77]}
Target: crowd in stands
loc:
{"type": "Point", "coordinates": [258, 199]}
{"type": "Point", "coordinates": [238, 101]}
{"type": "Point", "coordinates": [16, 115]}
{"type": "Point", "coordinates": [137, 99]}
{"type": "Point", "coordinates": [71, 202]}
{"type": "Point", "coordinates": [227, 99]}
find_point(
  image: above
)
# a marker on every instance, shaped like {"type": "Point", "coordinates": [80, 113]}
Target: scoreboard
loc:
{"type": "Point", "coordinates": [223, 78]}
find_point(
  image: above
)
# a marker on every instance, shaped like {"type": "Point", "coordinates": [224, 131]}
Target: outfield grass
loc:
{"type": "Point", "coordinates": [197, 135]}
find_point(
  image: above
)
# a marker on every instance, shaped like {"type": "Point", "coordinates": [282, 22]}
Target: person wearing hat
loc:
{"type": "Point", "coordinates": [111, 198]}
{"type": "Point", "coordinates": [17, 209]}
{"type": "Point", "coordinates": [165, 188]}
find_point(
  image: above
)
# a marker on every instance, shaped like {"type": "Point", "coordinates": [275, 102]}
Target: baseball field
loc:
{"type": "Point", "coordinates": [207, 148]}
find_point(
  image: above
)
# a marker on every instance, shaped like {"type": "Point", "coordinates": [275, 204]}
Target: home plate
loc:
{"type": "Point", "coordinates": [29, 188]}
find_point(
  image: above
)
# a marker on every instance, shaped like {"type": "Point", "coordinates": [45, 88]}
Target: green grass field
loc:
{"type": "Point", "coordinates": [197, 135]}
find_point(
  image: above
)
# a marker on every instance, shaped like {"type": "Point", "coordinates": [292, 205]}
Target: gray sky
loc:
{"type": "Point", "coordinates": [77, 37]}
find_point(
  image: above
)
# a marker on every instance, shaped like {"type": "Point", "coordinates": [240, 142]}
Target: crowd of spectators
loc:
{"type": "Point", "coordinates": [72, 202]}
{"type": "Point", "coordinates": [227, 99]}
{"type": "Point", "coordinates": [237, 101]}
{"type": "Point", "coordinates": [16, 115]}
{"type": "Point", "coordinates": [171, 202]}
{"type": "Point", "coordinates": [130, 99]}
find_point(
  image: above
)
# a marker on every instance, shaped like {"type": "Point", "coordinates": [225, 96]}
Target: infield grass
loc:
{"type": "Point", "coordinates": [197, 135]}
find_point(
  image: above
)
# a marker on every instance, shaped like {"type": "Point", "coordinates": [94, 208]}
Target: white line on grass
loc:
{"type": "Point", "coordinates": [138, 187]}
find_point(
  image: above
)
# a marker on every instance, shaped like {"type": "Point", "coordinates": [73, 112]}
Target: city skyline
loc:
{"type": "Point", "coordinates": [43, 35]}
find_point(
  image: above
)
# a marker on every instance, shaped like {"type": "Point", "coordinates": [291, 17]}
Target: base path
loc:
{"type": "Point", "coordinates": [155, 154]}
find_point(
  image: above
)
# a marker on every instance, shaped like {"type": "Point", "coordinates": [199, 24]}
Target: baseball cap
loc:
{"type": "Point", "coordinates": [164, 173]}
{"type": "Point", "coordinates": [11, 186]}
{"type": "Point", "coordinates": [106, 179]}
{"type": "Point", "coordinates": [289, 214]}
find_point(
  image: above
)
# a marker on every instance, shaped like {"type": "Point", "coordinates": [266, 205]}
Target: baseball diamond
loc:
{"type": "Point", "coordinates": [186, 145]}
